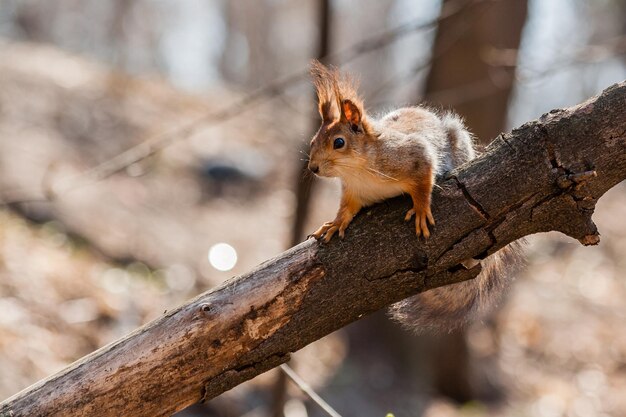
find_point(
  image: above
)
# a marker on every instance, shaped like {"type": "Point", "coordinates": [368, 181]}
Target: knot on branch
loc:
{"type": "Point", "coordinates": [567, 180]}
{"type": "Point", "coordinates": [575, 204]}
{"type": "Point", "coordinates": [578, 201]}
{"type": "Point", "coordinates": [574, 183]}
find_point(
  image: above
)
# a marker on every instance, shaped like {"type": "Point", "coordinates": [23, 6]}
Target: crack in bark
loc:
{"type": "Point", "coordinates": [230, 378]}
{"type": "Point", "coordinates": [506, 141]}
{"type": "Point", "coordinates": [455, 244]}
{"type": "Point", "coordinates": [419, 264]}
{"type": "Point", "coordinates": [492, 237]}
{"type": "Point", "coordinates": [459, 271]}
{"type": "Point", "coordinates": [471, 200]}
{"type": "Point", "coordinates": [396, 272]}
{"type": "Point", "coordinates": [551, 153]}
{"type": "Point", "coordinates": [491, 223]}
{"type": "Point", "coordinates": [542, 201]}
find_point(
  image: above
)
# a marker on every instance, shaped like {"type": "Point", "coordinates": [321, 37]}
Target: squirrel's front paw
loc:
{"type": "Point", "coordinates": [328, 229]}
{"type": "Point", "coordinates": [423, 216]}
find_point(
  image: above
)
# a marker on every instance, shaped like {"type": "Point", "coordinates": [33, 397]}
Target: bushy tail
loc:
{"type": "Point", "coordinates": [460, 142]}
{"type": "Point", "coordinates": [452, 306]}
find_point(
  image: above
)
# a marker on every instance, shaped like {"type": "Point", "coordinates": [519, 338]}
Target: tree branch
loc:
{"type": "Point", "coordinates": [546, 175]}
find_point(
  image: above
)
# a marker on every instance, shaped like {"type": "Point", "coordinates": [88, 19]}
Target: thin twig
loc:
{"type": "Point", "coordinates": [308, 390]}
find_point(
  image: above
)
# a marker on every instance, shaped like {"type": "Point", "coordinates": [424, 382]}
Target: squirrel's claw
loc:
{"type": "Point", "coordinates": [330, 232]}
{"type": "Point", "coordinates": [323, 229]}
{"type": "Point", "coordinates": [421, 228]}
{"type": "Point", "coordinates": [409, 214]}
{"type": "Point", "coordinates": [422, 219]}
{"type": "Point", "coordinates": [328, 229]}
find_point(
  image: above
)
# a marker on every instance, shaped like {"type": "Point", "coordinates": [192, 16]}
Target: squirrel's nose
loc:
{"type": "Point", "coordinates": [314, 168]}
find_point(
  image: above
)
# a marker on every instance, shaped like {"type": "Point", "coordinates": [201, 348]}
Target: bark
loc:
{"type": "Point", "coordinates": [546, 175]}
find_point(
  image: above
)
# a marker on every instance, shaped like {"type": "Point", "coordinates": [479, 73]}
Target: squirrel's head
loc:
{"type": "Point", "coordinates": [337, 149]}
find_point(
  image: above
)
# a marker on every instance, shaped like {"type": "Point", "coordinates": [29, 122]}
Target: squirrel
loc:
{"type": "Point", "coordinates": [402, 152]}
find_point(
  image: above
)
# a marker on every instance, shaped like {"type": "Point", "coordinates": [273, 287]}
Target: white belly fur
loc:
{"type": "Point", "coordinates": [372, 190]}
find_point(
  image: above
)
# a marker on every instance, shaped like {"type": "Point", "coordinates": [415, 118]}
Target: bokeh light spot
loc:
{"type": "Point", "coordinates": [222, 257]}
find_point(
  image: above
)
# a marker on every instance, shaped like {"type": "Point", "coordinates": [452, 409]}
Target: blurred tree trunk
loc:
{"type": "Point", "coordinates": [248, 57]}
{"type": "Point", "coordinates": [473, 75]}
{"type": "Point", "coordinates": [621, 12]}
{"type": "Point", "coordinates": [118, 35]}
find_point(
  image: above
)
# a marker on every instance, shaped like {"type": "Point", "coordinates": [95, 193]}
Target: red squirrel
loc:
{"type": "Point", "coordinates": [401, 152]}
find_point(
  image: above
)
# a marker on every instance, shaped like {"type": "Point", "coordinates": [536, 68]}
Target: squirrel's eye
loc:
{"type": "Point", "coordinates": [339, 143]}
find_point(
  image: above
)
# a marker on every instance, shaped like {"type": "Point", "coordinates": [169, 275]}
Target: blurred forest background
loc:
{"type": "Point", "coordinates": [151, 149]}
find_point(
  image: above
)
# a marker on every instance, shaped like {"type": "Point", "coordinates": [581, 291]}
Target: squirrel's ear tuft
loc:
{"type": "Point", "coordinates": [325, 80]}
{"type": "Point", "coordinates": [338, 97]}
{"type": "Point", "coordinates": [351, 113]}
